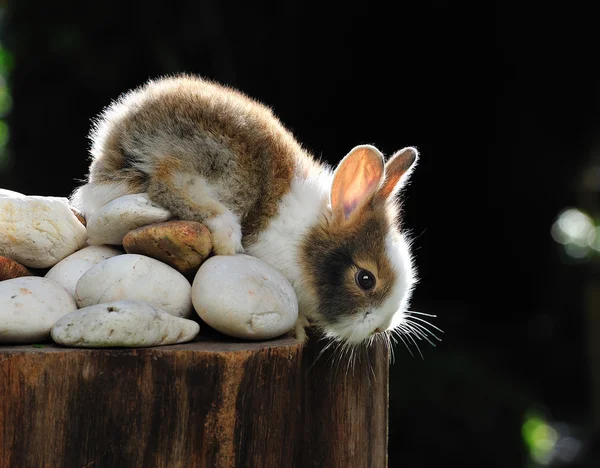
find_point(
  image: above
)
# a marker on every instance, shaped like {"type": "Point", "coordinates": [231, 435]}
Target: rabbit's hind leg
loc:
{"type": "Point", "coordinates": [188, 196]}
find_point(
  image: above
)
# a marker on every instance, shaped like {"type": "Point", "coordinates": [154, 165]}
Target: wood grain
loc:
{"type": "Point", "coordinates": [209, 403]}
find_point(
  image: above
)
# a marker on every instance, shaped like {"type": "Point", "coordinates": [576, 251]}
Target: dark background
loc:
{"type": "Point", "coordinates": [501, 99]}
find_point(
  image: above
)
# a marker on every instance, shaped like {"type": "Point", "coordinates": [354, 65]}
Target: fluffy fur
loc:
{"type": "Point", "coordinates": [211, 154]}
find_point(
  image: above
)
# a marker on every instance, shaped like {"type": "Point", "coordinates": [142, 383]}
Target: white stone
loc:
{"type": "Point", "coordinates": [136, 278]}
{"type": "Point", "coordinates": [5, 193]}
{"type": "Point", "coordinates": [244, 297]}
{"type": "Point", "coordinates": [131, 324]}
{"type": "Point", "coordinates": [109, 224]}
{"type": "Point", "coordinates": [29, 306]}
{"type": "Point", "coordinates": [68, 271]}
{"type": "Point", "coordinates": [39, 232]}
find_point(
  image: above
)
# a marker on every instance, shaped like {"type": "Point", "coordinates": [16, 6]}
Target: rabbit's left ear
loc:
{"type": "Point", "coordinates": [397, 171]}
{"type": "Point", "coordinates": [356, 179]}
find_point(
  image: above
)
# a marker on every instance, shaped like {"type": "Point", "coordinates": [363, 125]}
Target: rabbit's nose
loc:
{"type": "Point", "coordinates": [379, 330]}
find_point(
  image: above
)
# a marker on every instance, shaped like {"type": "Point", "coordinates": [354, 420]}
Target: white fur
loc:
{"type": "Point", "coordinates": [94, 195]}
{"type": "Point", "coordinates": [226, 233]}
{"type": "Point", "coordinates": [399, 252]}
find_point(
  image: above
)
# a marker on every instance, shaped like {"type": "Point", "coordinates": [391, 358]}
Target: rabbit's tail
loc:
{"type": "Point", "coordinates": [94, 195]}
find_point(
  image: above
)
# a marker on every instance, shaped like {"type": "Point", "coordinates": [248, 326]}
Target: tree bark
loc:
{"type": "Point", "coordinates": [203, 404]}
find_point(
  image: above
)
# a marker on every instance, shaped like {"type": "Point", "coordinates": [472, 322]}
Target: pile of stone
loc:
{"type": "Point", "coordinates": [128, 276]}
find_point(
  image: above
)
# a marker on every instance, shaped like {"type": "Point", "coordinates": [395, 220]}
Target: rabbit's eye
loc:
{"type": "Point", "coordinates": [365, 280]}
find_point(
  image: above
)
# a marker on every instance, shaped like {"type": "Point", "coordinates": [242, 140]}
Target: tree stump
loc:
{"type": "Point", "coordinates": [209, 403]}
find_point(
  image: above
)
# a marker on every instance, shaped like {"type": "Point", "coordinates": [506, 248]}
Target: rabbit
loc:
{"type": "Point", "coordinates": [209, 153]}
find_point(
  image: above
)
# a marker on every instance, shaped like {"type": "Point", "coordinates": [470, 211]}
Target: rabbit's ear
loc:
{"type": "Point", "coordinates": [356, 179]}
{"type": "Point", "coordinates": [397, 171]}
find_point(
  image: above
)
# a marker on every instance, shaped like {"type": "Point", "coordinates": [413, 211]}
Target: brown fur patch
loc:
{"type": "Point", "coordinates": [165, 167]}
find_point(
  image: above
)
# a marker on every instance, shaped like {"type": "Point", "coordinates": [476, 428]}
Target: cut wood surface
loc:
{"type": "Point", "coordinates": [211, 403]}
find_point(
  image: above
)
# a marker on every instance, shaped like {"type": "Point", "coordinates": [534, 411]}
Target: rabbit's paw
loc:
{"type": "Point", "coordinates": [226, 234]}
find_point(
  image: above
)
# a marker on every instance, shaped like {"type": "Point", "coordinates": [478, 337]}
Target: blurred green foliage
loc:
{"type": "Point", "coordinates": [6, 65]}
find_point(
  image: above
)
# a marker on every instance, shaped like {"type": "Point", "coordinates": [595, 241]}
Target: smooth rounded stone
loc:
{"type": "Point", "coordinates": [10, 269]}
{"type": "Point", "coordinates": [137, 278]}
{"type": "Point", "coordinates": [109, 224]}
{"type": "Point", "coordinates": [5, 193]}
{"type": "Point", "coordinates": [131, 324]}
{"type": "Point", "coordinates": [184, 245]}
{"type": "Point", "coordinates": [38, 232]}
{"type": "Point", "coordinates": [29, 307]}
{"type": "Point", "coordinates": [68, 271]}
{"type": "Point", "coordinates": [244, 297]}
